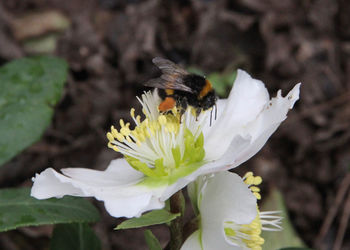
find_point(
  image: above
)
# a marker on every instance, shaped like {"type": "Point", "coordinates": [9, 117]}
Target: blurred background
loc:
{"type": "Point", "coordinates": [109, 45]}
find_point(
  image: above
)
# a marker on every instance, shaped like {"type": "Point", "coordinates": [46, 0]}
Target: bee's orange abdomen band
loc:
{"type": "Point", "coordinates": [206, 89]}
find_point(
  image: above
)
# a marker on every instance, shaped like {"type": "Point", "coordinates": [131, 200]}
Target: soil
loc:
{"type": "Point", "coordinates": [109, 45]}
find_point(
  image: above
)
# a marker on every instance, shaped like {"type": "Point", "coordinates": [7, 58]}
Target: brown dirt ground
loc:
{"type": "Point", "coordinates": [109, 46]}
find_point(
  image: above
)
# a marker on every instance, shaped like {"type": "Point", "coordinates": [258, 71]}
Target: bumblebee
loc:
{"type": "Point", "coordinates": [179, 88]}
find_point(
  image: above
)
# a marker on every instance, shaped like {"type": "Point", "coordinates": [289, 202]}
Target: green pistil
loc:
{"type": "Point", "coordinates": [184, 165]}
{"type": "Point", "coordinates": [230, 232]}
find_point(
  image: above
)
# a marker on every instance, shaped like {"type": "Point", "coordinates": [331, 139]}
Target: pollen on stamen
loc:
{"type": "Point", "coordinates": [114, 131]}
{"type": "Point", "coordinates": [132, 112]}
{"type": "Point", "coordinates": [114, 147]}
{"type": "Point", "coordinates": [110, 137]}
{"type": "Point", "coordinates": [162, 120]}
{"type": "Point", "coordinates": [125, 130]}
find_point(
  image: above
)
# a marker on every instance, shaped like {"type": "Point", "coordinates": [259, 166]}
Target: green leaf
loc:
{"type": "Point", "coordinates": [285, 238]}
{"type": "Point", "coordinates": [152, 218]}
{"type": "Point", "coordinates": [18, 209]}
{"type": "Point", "coordinates": [152, 241]}
{"type": "Point", "coordinates": [75, 236]}
{"type": "Point", "coordinates": [222, 82]}
{"type": "Point", "coordinates": [29, 88]}
{"type": "Point", "coordinates": [196, 71]}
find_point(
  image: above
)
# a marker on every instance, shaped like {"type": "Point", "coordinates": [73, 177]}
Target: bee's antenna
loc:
{"type": "Point", "coordinates": [216, 111]}
{"type": "Point", "coordinates": [211, 114]}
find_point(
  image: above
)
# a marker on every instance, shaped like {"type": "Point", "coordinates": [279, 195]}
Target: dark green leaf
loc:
{"type": "Point", "coordinates": [18, 209]}
{"type": "Point", "coordinates": [222, 82]}
{"type": "Point", "coordinates": [152, 218]}
{"type": "Point", "coordinates": [29, 88]}
{"type": "Point", "coordinates": [75, 236]}
{"type": "Point", "coordinates": [152, 241]}
{"type": "Point", "coordinates": [285, 238]}
{"type": "Point", "coordinates": [196, 71]}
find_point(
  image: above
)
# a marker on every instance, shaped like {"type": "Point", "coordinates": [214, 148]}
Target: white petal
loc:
{"type": "Point", "coordinates": [248, 96]}
{"type": "Point", "coordinates": [247, 99]}
{"type": "Point", "coordinates": [46, 185]}
{"type": "Point", "coordinates": [225, 198]}
{"type": "Point", "coordinates": [192, 242]}
{"type": "Point", "coordinates": [118, 172]}
{"type": "Point", "coordinates": [254, 135]}
{"type": "Point", "coordinates": [116, 186]}
{"type": "Point", "coordinates": [131, 206]}
{"type": "Point", "coordinates": [267, 123]}
{"type": "Point", "coordinates": [229, 159]}
{"type": "Point", "coordinates": [179, 184]}
{"type": "Point", "coordinates": [220, 107]}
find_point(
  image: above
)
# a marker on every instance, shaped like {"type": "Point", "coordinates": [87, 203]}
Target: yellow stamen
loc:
{"type": "Point", "coordinates": [255, 189]}
{"type": "Point", "coordinates": [110, 137]}
{"type": "Point", "coordinates": [114, 132]}
{"type": "Point", "coordinates": [257, 180]}
{"type": "Point", "coordinates": [132, 112]}
{"type": "Point", "coordinates": [257, 195]}
{"type": "Point", "coordinates": [121, 122]}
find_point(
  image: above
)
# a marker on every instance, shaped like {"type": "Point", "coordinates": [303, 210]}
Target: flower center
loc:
{"type": "Point", "coordinates": [164, 146]}
{"type": "Point", "coordinates": [247, 236]}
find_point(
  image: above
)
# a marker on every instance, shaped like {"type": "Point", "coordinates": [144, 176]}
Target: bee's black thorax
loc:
{"type": "Point", "coordinates": [183, 99]}
{"type": "Point", "coordinates": [195, 82]}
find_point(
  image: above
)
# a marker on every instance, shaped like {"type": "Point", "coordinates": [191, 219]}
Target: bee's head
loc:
{"type": "Point", "coordinates": [209, 100]}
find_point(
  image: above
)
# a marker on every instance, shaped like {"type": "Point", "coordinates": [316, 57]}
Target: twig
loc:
{"type": "Point", "coordinates": [190, 227]}
{"type": "Point", "coordinates": [343, 224]}
{"type": "Point", "coordinates": [176, 226]}
{"type": "Point", "coordinates": [344, 186]}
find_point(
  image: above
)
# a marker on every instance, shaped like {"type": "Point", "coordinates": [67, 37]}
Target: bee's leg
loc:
{"type": "Point", "coordinates": [198, 112]}
{"type": "Point", "coordinates": [183, 106]}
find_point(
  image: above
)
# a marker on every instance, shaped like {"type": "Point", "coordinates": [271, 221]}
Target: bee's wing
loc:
{"type": "Point", "coordinates": [168, 67]}
{"type": "Point", "coordinates": [172, 77]}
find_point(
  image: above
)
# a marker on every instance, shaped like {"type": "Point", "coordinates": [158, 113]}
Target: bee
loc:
{"type": "Point", "coordinates": [179, 88]}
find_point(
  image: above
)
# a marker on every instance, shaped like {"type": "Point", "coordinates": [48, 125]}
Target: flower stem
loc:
{"type": "Point", "coordinates": [177, 205]}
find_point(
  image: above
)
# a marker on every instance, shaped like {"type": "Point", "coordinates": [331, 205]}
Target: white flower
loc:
{"type": "Point", "coordinates": [229, 216]}
{"type": "Point", "coordinates": [163, 155]}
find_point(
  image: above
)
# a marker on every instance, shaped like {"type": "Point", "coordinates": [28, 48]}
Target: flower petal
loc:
{"type": "Point", "coordinates": [116, 186]}
{"type": "Point", "coordinates": [192, 242]}
{"type": "Point", "coordinates": [118, 172]}
{"type": "Point", "coordinates": [47, 185]}
{"type": "Point", "coordinates": [266, 124]}
{"type": "Point", "coordinates": [246, 100]}
{"type": "Point", "coordinates": [224, 198]}
{"type": "Point", "coordinates": [220, 107]}
{"type": "Point", "coordinates": [252, 137]}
